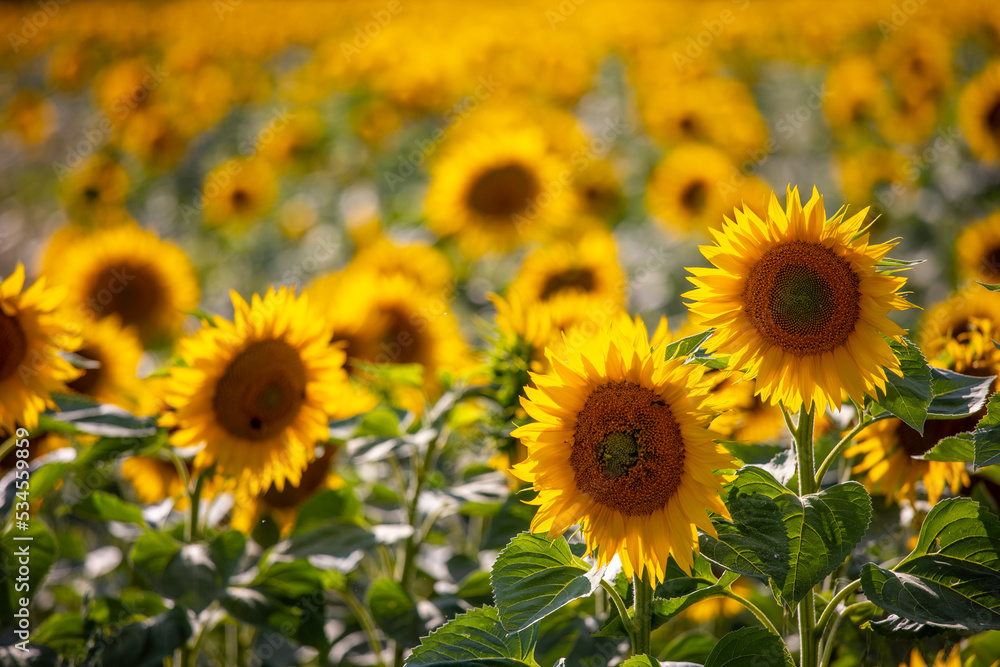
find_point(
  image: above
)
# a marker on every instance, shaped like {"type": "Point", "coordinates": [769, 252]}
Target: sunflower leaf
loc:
{"type": "Point", "coordinates": [958, 447]}
{"type": "Point", "coordinates": [987, 435]}
{"type": "Point", "coordinates": [395, 611]}
{"type": "Point", "coordinates": [957, 395]}
{"type": "Point", "coordinates": [257, 608]}
{"type": "Point", "coordinates": [909, 395]}
{"type": "Point", "coordinates": [686, 346]}
{"type": "Point", "coordinates": [534, 576]}
{"type": "Point", "coordinates": [86, 416]}
{"type": "Point", "coordinates": [745, 646]}
{"type": "Point", "coordinates": [992, 288]}
{"type": "Point", "coordinates": [143, 643]}
{"type": "Point", "coordinates": [951, 580]}
{"type": "Point", "coordinates": [476, 638]}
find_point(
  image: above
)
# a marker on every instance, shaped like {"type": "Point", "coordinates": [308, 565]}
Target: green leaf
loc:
{"type": "Point", "coordinates": [992, 288]}
{"type": "Point", "coordinates": [642, 661]}
{"type": "Point", "coordinates": [987, 435]}
{"type": "Point", "coordinates": [476, 638]}
{"type": "Point", "coordinates": [289, 579]}
{"type": "Point", "coordinates": [907, 396]}
{"type": "Point", "coordinates": [87, 416]}
{"type": "Point", "coordinates": [63, 632]}
{"type": "Point", "coordinates": [112, 449]}
{"type": "Point", "coordinates": [820, 531]}
{"type": "Point", "coordinates": [42, 548]}
{"type": "Point", "coordinates": [686, 346]}
{"type": "Point", "coordinates": [46, 477]}
{"type": "Point", "coordinates": [227, 548]}
{"type": "Point", "coordinates": [382, 422]}
{"type": "Point", "coordinates": [153, 551]}
{"type": "Point", "coordinates": [184, 573]}
{"type": "Point", "coordinates": [955, 448]}
{"type": "Point", "coordinates": [143, 644]}
{"type": "Point", "coordinates": [749, 646]}
{"type": "Point", "coordinates": [534, 576]}
{"type": "Point", "coordinates": [957, 395]}
{"type": "Point", "coordinates": [476, 588]}
{"type": "Point", "coordinates": [694, 647]}
{"type": "Point", "coordinates": [103, 506]}
{"type": "Point", "coordinates": [325, 505]}
{"type": "Point", "coordinates": [260, 610]}
{"type": "Point", "coordinates": [890, 265]}
{"type": "Point", "coordinates": [951, 580]}
{"type": "Point", "coordinates": [336, 538]}
{"type": "Point", "coordinates": [395, 611]}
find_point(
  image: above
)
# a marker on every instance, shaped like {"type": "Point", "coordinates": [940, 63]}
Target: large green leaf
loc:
{"type": "Point", "coordinates": [143, 644]}
{"type": "Point", "coordinates": [960, 447]}
{"type": "Point", "coordinates": [103, 506]}
{"type": "Point", "coordinates": [820, 531]}
{"type": "Point", "coordinates": [750, 646]}
{"type": "Point", "coordinates": [260, 610]}
{"type": "Point", "coordinates": [185, 573]}
{"type": "Point", "coordinates": [951, 580]}
{"type": "Point", "coordinates": [534, 576]}
{"type": "Point", "coordinates": [289, 579]}
{"type": "Point", "coordinates": [337, 538]}
{"type": "Point", "coordinates": [909, 395]}
{"type": "Point", "coordinates": [395, 611]}
{"type": "Point", "coordinates": [987, 435]}
{"type": "Point", "coordinates": [86, 416]}
{"type": "Point", "coordinates": [476, 638]}
{"type": "Point", "coordinates": [957, 395]}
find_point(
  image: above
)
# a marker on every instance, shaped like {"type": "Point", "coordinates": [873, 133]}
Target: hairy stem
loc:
{"type": "Point", "coordinates": [807, 485]}
{"type": "Point", "coordinates": [643, 593]}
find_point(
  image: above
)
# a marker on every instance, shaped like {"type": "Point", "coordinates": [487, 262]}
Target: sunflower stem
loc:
{"type": "Point", "coordinates": [830, 633]}
{"type": "Point", "coordinates": [643, 594]}
{"type": "Point", "coordinates": [831, 607]}
{"type": "Point", "coordinates": [807, 484]}
{"type": "Point", "coordinates": [839, 449]}
{"type": "Point", "coordinates": [195, 501]}
{"type": "Point", "coordinates": [753, 609]}
{"type": "Point", "coordinates": [622, 609]}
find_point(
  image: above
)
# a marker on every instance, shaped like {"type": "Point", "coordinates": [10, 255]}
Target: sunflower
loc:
{"type": "Point", "coordinates": [979, 113]}
{"type": "Point", "coordinates": [620, 447]}
{"type": "Point", "coordinates": [238, 192]}
{"type": "Point", "coordinates": [259, 391]}
{"type": "Point", "coordinates": [953, 316]}
{"type": "Point", "coordinates": [113, 353]}
{"type": "Point", "coordinates": [918, 63]}
{"type": "Point", "coordinates": [127, 271]}
{"type": "Point", "coordinates": [98, 186]}
{"type": "Point", "coordinates": [153, 479]}
{"type": "Point", "coordinates": [953, 659]}
{"type": "Point", "coordinates": [424, 265]}
{"type": "Point", "coordinates": [494, 192]}
{"type": "Point", "coordinates": [589, 267]}
{"type": "Point", "coordinates": [707, 611]}
{"type": "Point", "coordinates": [283, 505]}
{"type": "Point", "coordinates": [33, 331]}
{"type": "Point", "coordinates": [798, 303]}
{"type": "Point", "coordinates": [978, 250]}
{"type": "Point", "coordinates": [741, 414]}
{"type": "Point", "coordinates": [30, 115]}
{"type": "Point", "coordinates": [684, 192]}
{"type": "Point", "coordinates": [854, 91]}
{"type": "Point", "coordinates": [295, 138]}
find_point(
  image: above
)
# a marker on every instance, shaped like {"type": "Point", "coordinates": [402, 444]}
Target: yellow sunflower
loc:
{"type": "Point", "coordinates": [259, 391]}
{"type": "Point", "coordinates": [422, 264]}
{"type": "Point", "coordinates": [283, 505]}
{"type": "Point", "coordinates": [979, 113]}
{"type": "Point", "coordinates": [33, 331]}
{"type": "Point", "coordinates": [495, 192]}
{"type": "Point", "coordinates": [684, 192]}
{"type": "Point", "coordinates": [238, 192]}
{"type": "Point", "coordinates": [154, 479]}
{"type": "Point", "coordinates": [619, 446]}
{"type": "Point", "coordinates": [127, 271]}
{"type": "Point", "coordinates": [588, 266]}
{"type": "Point", "coordinates": [798, 303]}
{"type": "Point", "coordinates": [954, 315]}
{"type": "Point", "coordinates": [113, 353]}
{"type": "Point", "coordinates": [953, 659]}
{"type": "Point", "coordinates": [854, 92]}
{"type": "Point", "coordinates": [98, 186]}
{"type": "Point", "coordinates": [887, 449]}
{"type": "Point", "coordinates": [741, 414]}
{"type": "Point", "coordinates": [30, 115]}
{"type": "Point", "coordinates": [978, 250]}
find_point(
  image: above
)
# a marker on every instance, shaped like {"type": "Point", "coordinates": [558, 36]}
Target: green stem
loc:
{"type": "Point", "coordinates": [643, 594]}
{"type": "Point", "coordinates": [7, 445]}
{"type": "Point", "coordinates": [839, 449]}
{"type": "Point", "coordinates": [831, 632]}
{"type": "Point", "coordinates": [192, 530]}
{"type": "Point", "coordinates": [831, 607]}
{"type": "Point", "coordinates": [622, 609]}
{"type": "Point", "coordinates": [367, 625]}
{"type": "Point", "coordinates": [753, 609]}
{"type": "Point", "coordinates": [807, 485]}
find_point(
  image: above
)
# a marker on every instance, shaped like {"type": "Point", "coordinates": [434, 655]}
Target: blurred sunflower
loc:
{"type": "Point", "coordinates": [599, 191]}
{"type": "Point", "coordinates": [854, 92]}
{"type": "Point", "coordinates": [620, 447]}
{"type": "Point", "coordinates": [33, 331]}
{"type": "Point", "coordinates": [684, 192]}
{"type": "Point", "coordinates": [154, 479]}
{"type": "Point", "coordinates": [741, 414]}
{"type": "Point", "coordinates": [283, 505]}
{"type": "Point", "coordinates": [918, 63]}
{"type": "Point", "coordinates": [494, 192]}
{"type": "Point", "coordinates": [954, 316]}
{"type": "Point", "coordinates": [862, 169]}
{"type": "Point", "coordinates": [96, 187]}
{"type": "Point", "coordinates": [978, 250]}
{"type": "Point", "coordinates": [293, 140]}
{"type": "Point", "coordinates": [424, 265]}
{"type": "Point", "coordinates": [113, 353]}
{"type": "Point", "coordinates": [31, 116]}
{"type": "Point", "coordinates": [153, 136]}
{"type": "Point", "coordinates": [707, 611]}
{"type": "Point", "coordinates": [798, 303]}
{"type": "Point", "coordinates": [953, 659]}
{"type": "Point", "coordinates": [238, 192]}
{"type": "Point", "coordinates": [588, 266]}
{"type": "Point", "coordinates": [259, 391]}
{"type": "Point", "coordinates": [127, 271]}
{"type": "Point", "coordinates": [979, 113]}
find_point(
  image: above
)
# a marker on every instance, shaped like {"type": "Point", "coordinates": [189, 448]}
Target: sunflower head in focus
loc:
{"type": "Point", "coordinates": [238, 192]}
{"type": "Point", "coordinates": [123, 270]}
{"type": "Point", "coordinates": [619, 446]}
{"type": "Point", "coordinates": [492, 193]}
{"type": "Point", "coordinates": [978, 251]}
{"type": "Point", "coordinates": [111, 354]}
{"type": "Point", "coordinates": [259, 391]}
{"type": "Point", "coordinates": [588, 267]}
{"type": "Point", "coordinates": [33, 331]}
{"type": "Point", "coordinates": [979, 113]}
{"type": "Point", "coordinates": [798, 303]}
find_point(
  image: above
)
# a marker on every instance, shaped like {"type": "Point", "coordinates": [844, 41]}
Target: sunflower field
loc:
{"type": "Point", "coordinates": [538, 333]}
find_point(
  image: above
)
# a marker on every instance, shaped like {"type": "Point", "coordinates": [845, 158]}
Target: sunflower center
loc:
{"type": "Point", "coordinates": [628, 451]}
{"type": "Point", "coordinates": [581, 279]}
{"type": "Point", "coordinates": [312, 479]}
{"type": "Point", "coordinates": [91, 193]}
{"type": "Point", "coordinates": [402, 341]}
{"type": "Point", "coordinates": [134, 291]}
{"type": "Point", "coordinates": [991, 264]}
{"type": "Point", "coordinates": [803, 298]}
{"type": "Point", "coordinates": [241, 200]}
{"type": "Point", "coordinates": [694, 197]}
{"type": "Point", "coordinates": [91, 378]}
{"type": "Point", "coordinates": [935, 430]}
{"type": "Point", "coordinates": [501, 192]}
{"type": "Point", "coordinates": [993, 119]}
{"type": "Point", "coordinates": [261, 391]}
{"type": "Point", "coordinates": [13, 346]}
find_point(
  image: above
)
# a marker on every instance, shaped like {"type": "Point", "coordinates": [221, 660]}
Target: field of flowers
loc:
{"type": "Point", "coordinates": [545, 334]}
